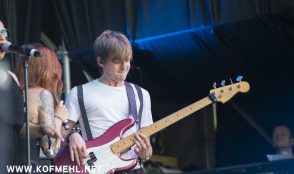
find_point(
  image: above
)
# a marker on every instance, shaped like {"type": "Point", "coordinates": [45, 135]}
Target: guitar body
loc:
{"type": "Point", "coordinates": [102, 159]}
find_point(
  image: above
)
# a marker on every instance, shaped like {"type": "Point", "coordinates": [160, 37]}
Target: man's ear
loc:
{"type": "Point", "coordinates": [99, 61]}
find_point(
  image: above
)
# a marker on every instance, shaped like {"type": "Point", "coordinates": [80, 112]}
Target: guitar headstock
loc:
{"type": "Point", "coordinates": [225, 93]}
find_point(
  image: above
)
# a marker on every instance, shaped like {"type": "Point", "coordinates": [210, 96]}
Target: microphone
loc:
{"type": "Point", "coordinates": [7, 47]}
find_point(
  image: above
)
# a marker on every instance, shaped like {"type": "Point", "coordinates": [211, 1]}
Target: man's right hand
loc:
{"type": "Point", "coordinates": [77, 148]}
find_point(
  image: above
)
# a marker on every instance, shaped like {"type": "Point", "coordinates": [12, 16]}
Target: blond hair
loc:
{"type": "Point", "coordinates": [112, 45]}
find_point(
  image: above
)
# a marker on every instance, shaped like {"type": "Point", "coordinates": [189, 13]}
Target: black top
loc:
{"type": "Point", "coordinates": [11, 120]}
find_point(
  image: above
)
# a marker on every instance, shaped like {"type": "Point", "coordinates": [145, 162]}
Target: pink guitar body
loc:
{"type": "Point", "coordinates": [101, 157]}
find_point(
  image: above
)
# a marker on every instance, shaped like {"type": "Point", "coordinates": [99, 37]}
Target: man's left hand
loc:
{"type": "Point", "coordinates": [143, 147]}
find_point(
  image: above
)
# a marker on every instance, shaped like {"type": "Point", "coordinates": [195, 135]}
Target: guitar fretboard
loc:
{"type": "Point", "coordinates": [126, 143]}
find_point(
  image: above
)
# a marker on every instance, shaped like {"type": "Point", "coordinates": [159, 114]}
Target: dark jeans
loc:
{"type": "Point", "coordinates": [135, 171]}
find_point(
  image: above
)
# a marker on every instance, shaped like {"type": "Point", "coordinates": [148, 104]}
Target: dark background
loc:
{"type": "Point", "coordinates": [180, 48]}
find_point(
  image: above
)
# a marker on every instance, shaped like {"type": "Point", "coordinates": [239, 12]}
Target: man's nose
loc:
{"type": "Point", "coordinates": [123, 65]}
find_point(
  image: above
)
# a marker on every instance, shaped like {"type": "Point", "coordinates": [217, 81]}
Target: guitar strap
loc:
{"type": "Point", "coordinates": [132, 102]}
{"type": "Point", "coordinates": [85, 121]}
{"type": "Point", "coordinates": [132, 107]}
{"type": "Point", "coordinates": [140, 95]}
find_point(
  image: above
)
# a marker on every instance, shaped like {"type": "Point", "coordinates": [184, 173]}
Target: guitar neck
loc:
{"type": "Point", "coordinates": [126, 143]}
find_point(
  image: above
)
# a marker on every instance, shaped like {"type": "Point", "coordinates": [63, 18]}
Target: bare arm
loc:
{"type": "Point", "coordinates": [76, 143]}
{"type": "Point", "coordinates": [64, 132]}
{"type": "Point", "coordinates": [60, 116]}
{"type": "Point", "coordinates": [46, 108]}
{"type": "Point", "coordinates": [50, 146]}
{"type": "Point", "coordinates": [43, 125]}
{"type": "Point", "coordinates": [36, 131]}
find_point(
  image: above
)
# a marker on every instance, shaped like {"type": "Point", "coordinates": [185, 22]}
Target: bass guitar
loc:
{"type": "Point", "coordinates": [105, 151]}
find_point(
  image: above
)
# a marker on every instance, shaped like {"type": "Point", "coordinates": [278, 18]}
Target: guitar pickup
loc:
{"type": "Point", "coordinates": [92, 157]}
{"type": "Point", "coordinates": [90, 162]}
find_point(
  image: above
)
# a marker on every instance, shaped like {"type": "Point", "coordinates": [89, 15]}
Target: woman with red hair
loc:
{"type": "Point", "coordinates": [45, 106]}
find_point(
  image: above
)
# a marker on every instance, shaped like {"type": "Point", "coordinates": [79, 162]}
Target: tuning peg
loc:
{"type": "Point", "coordinates": [239, 78]}
{"type": "Point", "coordinates": [231, 84]}
{"type": "Point", "coordinates": [214, 85]}
{"type": "Point", "coordinates": [223, 82]}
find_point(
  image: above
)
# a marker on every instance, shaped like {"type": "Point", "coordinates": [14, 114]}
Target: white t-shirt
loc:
{"type": "Point", "coordinates": [106, 105]}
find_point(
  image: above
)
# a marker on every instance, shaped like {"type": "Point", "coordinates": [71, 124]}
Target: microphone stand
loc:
{"type": "Point", "coordinates": [25, 67]}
